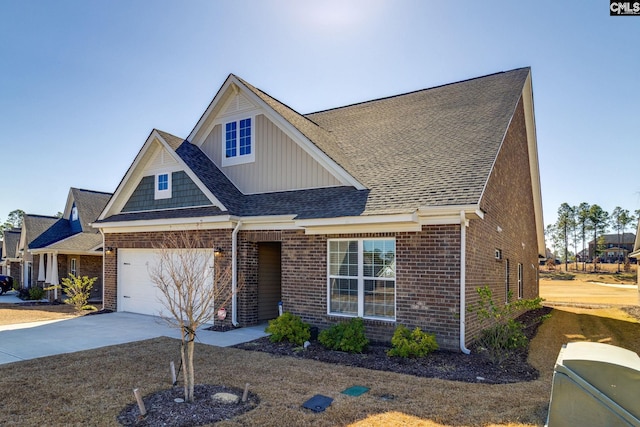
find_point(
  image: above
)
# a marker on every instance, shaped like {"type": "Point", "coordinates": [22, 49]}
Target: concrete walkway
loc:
{"type": "Point", "coordinates": [40, 339]}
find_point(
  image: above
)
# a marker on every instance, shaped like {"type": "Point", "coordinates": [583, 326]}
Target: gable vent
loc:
{"type": "Point", "coordinates": [237, 104]}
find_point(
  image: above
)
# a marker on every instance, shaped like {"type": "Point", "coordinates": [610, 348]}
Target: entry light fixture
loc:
{"type": "Point", "coordinates": [217, 251]}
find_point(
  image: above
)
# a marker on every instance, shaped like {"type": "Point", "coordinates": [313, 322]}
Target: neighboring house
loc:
{"type": "Point", "coordinates": [10, 260]}
{"type": "Point", "coordinates": [635, 253]}
{"type": "Point", "coordinates": [394, 210]}
{"type": "Point", "coordinates": [70, 245]}
{"type": "Point", "coordinates": [613, 247]}
{"type": "Point", "coordinates": [32, 228]}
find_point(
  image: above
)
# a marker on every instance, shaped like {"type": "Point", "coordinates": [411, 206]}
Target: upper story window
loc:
{"type": "Point", "coordinates": [238, 140]}
{"type": "Point", "coordinates": [74, 213]}
{"type": "Point", "coordinates": [163, 186]}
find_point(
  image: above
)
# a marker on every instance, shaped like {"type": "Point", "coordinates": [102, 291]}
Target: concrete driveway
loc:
{"type": "Point", "coordinates": [40, 339]}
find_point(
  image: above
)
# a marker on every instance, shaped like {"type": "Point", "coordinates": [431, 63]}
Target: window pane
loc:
{"type": "Point", "coordinates": [163, 182]}
{"type": "Point", "coordinates": [230, 139]}
{"type": "Point", "coordinates": [379, 298]}
{"type": "Point", "coordinates": [245, 137]}
{"type": "Point", "coordinates": [379, 258]}
{"type": "Point", "coordinates": [343, 258]}
{"type": "Point", "coordinates": [344, 296]}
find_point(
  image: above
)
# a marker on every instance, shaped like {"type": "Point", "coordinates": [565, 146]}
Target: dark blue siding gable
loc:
{"type": "Point", "coordinates": [184, 194]}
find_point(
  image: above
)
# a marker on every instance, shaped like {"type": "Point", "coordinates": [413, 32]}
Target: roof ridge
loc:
{"type": "Point", "coordinates": [384, 98]}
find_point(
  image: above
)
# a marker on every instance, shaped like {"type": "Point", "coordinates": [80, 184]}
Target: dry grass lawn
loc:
{"type": "Point", "coordinates": [12, 313]}
{"type": "Point", "coordinates": [92, 387]}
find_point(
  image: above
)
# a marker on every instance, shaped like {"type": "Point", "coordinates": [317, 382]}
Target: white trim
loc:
{"type": "Point", "coordinates": [238, 159]}
{"type": "Point", "coordinates": [162, 194]}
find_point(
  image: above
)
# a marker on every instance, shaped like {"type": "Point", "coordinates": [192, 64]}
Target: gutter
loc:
{"type": "Point", "coordinates": [463, 281]}
{"type": "Point", "coordinates": [234, 273]}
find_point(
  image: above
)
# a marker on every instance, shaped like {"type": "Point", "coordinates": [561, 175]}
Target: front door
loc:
{"type": "Point", "coordinates": [269, 275]}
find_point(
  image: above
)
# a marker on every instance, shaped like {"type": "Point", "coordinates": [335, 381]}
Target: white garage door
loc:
{"type": "Point", "coordinates": [136, 292]}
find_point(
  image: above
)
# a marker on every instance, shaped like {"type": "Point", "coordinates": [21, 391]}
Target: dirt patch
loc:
{"type": "Point", "coordinates": [446, 365]}
{"type": "Point", "coordinates": [162, 410]}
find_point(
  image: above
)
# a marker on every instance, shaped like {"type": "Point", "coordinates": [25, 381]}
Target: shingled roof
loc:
{"type": "Point", "coordinates": [429, 148]}
{"type": "Point", "coordinates": [59, 234]}
{"type": "Point", "coordinates": [11, 240]}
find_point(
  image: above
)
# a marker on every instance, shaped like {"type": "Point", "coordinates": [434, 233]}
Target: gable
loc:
{"type": "Point", "coordinates": [280, 156]}
{"type": "Point", "coordinates": [157, 163]}
{"type": "Point", "coordinates": [280, 163]}
{"type": "Point", "coordinates": [185, 193]}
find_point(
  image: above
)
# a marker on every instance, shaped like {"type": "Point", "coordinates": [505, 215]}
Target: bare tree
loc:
{"type": "Point", "coordinates": [195, 283]}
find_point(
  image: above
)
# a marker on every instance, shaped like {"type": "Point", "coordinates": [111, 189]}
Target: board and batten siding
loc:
{"type": "Point", "coordinates": [280, 163]}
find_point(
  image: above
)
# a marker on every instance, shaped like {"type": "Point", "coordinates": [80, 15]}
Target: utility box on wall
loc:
{"type": "Point", "coordinates": [595, 385]}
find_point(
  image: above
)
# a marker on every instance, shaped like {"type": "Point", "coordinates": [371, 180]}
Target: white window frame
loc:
{"type": "Point", "coordinates": [361, 279]}
{"type": "Point", "coordinates": [74, 213]}
{"type": "Point", "coordinates": [520, 281]}
{"type": "Point", "coordinates": [238, 159]}
{"type": "Point", "coordinates": [162, 194]}
{"type": "Point", "coordinates": [73, 268]}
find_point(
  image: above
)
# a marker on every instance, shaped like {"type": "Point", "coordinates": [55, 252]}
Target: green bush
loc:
{"type": "Point", "coordinates": [345, 336]}
{"type": "Point", "coordinates": [77, 289]}
{"type": "Point", "coordinates": [407, 343]}
{"type": "Point", "coordinates": [288, 327]}
{"type": "Point", "coordinates": [504, 334]}
{"type": "Point", "coordinates": [36, 293]}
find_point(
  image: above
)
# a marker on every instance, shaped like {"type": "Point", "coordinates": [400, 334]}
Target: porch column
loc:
{"type": "Point", "coordinates": [54, 274]}
{"type": "Point", "coordinates": [47, 278]}
{"type": "Point", "coordinates": [41, 275]}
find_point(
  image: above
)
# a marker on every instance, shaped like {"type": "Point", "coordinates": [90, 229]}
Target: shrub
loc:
{"type": "Point", "coordinates": [36, 293]}
{"type": "Point", "coordinates": [288, 327]}
{"type": "Point", "coordinates": [414, 343]}
{"type": "Point", "coordinates": [505, 334]}
{"type": "Point", "coordinates": [77, 290]}
{"type": "Point", "coordinates": [346, 336]}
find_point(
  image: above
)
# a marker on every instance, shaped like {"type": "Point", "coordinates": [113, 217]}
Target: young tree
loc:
{"type": "Point", "coordinates": [194, 283]}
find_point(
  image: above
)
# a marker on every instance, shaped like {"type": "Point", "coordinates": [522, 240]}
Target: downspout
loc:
{"type": "Point", "coordinates": [463, 281]}
{"type": "Point", "coordinates": [104, 254]}
{"type": "Point", "coordinates": [234, 273]}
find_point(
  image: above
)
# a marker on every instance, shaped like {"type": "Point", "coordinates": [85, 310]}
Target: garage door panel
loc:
{"type": "Point", "coordinates": [136, 292]}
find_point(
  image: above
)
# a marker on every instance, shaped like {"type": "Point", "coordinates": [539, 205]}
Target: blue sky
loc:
{"type": "Point", "coordinates": [83, 83]}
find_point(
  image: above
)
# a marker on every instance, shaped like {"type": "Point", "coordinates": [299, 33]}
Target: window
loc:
{"type": "Point", "coordinates": [74, 213]}
{"type": "Point", "coordinates": [238, 142]}
{"type": "Point", "coordinates": [520, 281]}
{"type": "Point", "coordinates": [362, 278]}
{"type": "Point", "coordinates": [74, 267]}
{"type": "Point", "coordinates": [163, 186]}
{"type": "Point", "coordinates": [506, 282]}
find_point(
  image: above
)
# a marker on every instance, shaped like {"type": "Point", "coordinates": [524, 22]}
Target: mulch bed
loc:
{"type": "Point", "coordinates": [162, 410]}
{"type": "Point", "coordinates": [447, 365]}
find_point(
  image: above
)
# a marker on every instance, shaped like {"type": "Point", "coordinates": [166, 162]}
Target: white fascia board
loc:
{"type": "Point", "coordinates": [448, 214]}
{"type": "Point", "coordinates": [190, 173]}
{"type": "Point", "coordinates": [532, 144]}
{"type": "Point", "coordinates": [361, 224]}
{"type": "Point", "coordinates": [199, 223]}
{"type": "Point", "coordinates": [65, 252]}
{"type": "Point", "coordinates": [275, 222]}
